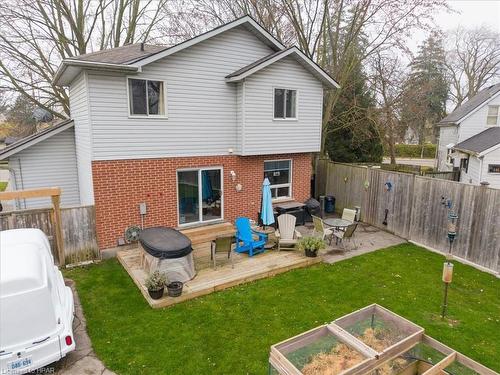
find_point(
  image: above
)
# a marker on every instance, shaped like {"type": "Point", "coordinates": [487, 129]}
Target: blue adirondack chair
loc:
{"type": "Point", "coordinates": [245, 241]}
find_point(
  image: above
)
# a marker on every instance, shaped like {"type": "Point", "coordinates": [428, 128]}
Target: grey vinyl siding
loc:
{"type": "Point", "coordinates": [492, 157]}
{"type": "Point", "coordinates": [202, 110]}
{"type": "Point", "coordinates": [240, 89]}
{"type": "Point", "coordinates": [262, 134]}
{"type": "Point", "coordinates": [79, 108]}
{"type": "Point", "coordinates": [471, 175]}
{"type": "Point", "coordinates": [447, 135]}
{"type": "Point", "coordinates": [476, 122]}
{"type": "Point", "coordinates": [49, 163]}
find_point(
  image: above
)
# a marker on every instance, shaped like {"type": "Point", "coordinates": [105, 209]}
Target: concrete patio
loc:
{"type": "Point", "coordinates": [367, 238]}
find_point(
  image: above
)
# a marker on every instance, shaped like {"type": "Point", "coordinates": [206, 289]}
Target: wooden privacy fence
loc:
{"type": "Point", "coordinates": [415, 210]}
{"type": "Point", "coordinates": [78, 229]}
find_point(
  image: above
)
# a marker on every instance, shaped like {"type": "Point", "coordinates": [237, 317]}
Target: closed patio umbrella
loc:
{"type": "Point", "coordinates": [206, 187]}
{"type": "Point", "coordinates": [266, 211]}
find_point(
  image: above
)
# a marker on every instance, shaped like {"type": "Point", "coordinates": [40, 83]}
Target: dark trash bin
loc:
{"type": "Point", "coordinates": [329, 204]}
{"type": "Point", "coordinates": [313, 207]}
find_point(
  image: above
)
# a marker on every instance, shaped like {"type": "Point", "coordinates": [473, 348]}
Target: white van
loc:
{"type": "Point", "coordinates": [36, 308]}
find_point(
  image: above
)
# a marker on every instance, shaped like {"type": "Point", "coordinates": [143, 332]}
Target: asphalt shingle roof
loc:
{"type": "Point", "coordinates": [470, 105]}
{"type": "Point", "coordinates": [121, 55]}
{"type": "Point", "coordinates": [481, 141]}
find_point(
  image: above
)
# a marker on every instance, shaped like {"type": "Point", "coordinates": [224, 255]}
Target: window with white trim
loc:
{"type": "Point", "coordinates": [146, 97]}
{"type": "Point", "coordinates": [493, 168]}
{"type": "Point", "coordinates": [492, 118]}
{"type": "Point", "coordinates": [285, 104]}
{"type": "Point", "coordinates": [279, 173]}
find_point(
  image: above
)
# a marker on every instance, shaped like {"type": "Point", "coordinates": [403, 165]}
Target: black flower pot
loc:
{"type": "Point", "coordinates": [311, 253]}
{"type": "Point", "coordinates": [156, 294]}
{"type": "Point", "coordinates": [174, 289]}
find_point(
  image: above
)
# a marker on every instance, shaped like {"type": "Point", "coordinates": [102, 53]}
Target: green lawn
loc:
{"type": "Point", "coordinates": [3, 185]}
{"type": "Point", "coordinates": [230, 332]}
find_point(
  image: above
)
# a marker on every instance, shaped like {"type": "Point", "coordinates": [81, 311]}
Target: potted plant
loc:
{"type": "Point", "coordinates": [311, 245]}
{"type": "Point", "coordinates": [155, 283]}
{"type": "Point", "coordinates": [174, 289]}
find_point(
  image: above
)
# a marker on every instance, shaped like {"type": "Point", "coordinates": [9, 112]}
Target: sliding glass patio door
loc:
{"type": "Point", "coordinates": [200, 195]}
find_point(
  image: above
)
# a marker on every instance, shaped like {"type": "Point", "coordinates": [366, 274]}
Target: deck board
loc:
{"type": "Point", "coordinates": [208, 280]}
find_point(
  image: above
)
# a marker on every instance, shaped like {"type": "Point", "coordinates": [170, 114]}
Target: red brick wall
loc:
{"type": "Point", "coordinates": [120, 185]}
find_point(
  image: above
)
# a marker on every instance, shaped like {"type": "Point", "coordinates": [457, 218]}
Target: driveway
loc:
{"type": "Point", "coordinates": [83, 360]}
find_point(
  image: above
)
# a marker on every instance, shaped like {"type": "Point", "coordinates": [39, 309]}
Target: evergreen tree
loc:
{"type": "Point", "coordinates": [353, 136]}
{"type": "Point", "coordinates": [426, 90]}
{"type": "Point", "coordinates": [20, 114]}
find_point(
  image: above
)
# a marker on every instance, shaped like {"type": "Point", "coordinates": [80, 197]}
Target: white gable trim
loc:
{"type": "Point", "coordinates": [35, 139]}
{"type": "Point", "coordinates": [458, 122]}
{"type": "Point", "coordinates": [294, 50]}
{"type": "Point", "coordinates": [64, 77]}
{"type": "Point", "coordinates": [207, 35]}
{"type": "Point", "coordinates": [491, 149]}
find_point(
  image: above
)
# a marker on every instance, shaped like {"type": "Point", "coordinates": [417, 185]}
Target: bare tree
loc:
{"type": "Point", "coordinates": [387, 80]}
{"type": "Point", "coordinates": [329, 31]}
{"type": "Point", "coordinates": [35, 35]}
{"type": "Point", "coordinates": [473, 61]}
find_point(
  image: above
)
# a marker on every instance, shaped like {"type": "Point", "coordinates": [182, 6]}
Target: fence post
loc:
{"type": "Point", "coordinates": [56, 199]}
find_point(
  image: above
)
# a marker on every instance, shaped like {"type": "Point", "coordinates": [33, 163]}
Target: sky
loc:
{"type": "Point", "coordinates": [468, 13]}
{"type": "Point", "coordinates": [471, 13]}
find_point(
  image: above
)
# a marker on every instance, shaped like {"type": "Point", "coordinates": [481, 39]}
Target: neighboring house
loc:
{"type": "Point", "coordinates": [191, 130]}
{"type": "Point", "coordinates": [7, 141]}
{"type": "Point", "coordinates": [470, 139]}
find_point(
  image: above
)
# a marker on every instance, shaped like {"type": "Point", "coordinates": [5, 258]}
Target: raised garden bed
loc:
{"type": "Point", "coordinates": [372, 341]}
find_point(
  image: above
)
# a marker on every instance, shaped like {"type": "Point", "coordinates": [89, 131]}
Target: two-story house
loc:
{"type": "Point", "coordinates": [470, 139]}
{"type": "Point", "coordinates": [191, 130]}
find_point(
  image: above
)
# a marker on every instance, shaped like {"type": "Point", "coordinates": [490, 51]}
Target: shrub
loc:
{"type": "Point", "coordinates": [311, 243]}
{"type": "Point", "coordinates": [156, 280]}
{"type": "Point", "coordinates": [414, 151]}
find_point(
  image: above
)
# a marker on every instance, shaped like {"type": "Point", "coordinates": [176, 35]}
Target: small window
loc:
{"type": "Point", "coordinates": [279, 174]}
{"type": "Point", "coordinates": [147, 97]}
{"type": "Point", "coordinates": [493, 168]}
{"type": "Point", "coordinates": [449, 159]}
{"type": "Point", "coordinates": [285, 104]}
{"type": "Point", "coordinates": [492, 118]}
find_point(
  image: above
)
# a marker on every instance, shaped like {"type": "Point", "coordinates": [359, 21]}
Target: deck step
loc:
{"type": "Point", "coordinates": [208, 233]}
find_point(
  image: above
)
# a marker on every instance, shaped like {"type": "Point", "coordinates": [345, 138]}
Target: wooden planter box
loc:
{"type": "Point", "coordinates": [372, 340]}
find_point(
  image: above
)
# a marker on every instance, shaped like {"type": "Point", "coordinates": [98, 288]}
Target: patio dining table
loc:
{"type": "Point", "coordinates": [337, 223]}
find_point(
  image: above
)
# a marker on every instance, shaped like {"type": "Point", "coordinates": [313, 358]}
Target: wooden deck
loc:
{"type": "Point", "coordinates": [208, 280]}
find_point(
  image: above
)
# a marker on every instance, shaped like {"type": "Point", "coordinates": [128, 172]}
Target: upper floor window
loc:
{"type": "Point", "coordinates": [492, 118]}
{"type": "Point", "coordinates": [285, 104]}
{"type": "Point", "coordinates": [279, 174]}
{"type": "Point", "coordinates": [146, 97]}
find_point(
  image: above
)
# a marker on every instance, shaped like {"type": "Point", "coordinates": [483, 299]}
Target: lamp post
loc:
{"type": "Point", "coordinates": [448, 266]}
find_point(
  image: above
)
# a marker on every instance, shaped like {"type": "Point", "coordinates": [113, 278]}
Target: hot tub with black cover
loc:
{"type": "Point", "coordinates": [167, 250]}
